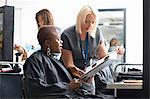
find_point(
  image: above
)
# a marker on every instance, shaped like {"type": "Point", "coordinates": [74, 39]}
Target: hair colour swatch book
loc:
{"type": "Point", "coordinates": [98, 66]}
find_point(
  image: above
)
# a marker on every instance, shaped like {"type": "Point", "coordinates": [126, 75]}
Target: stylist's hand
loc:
{"type": "Point", "coordinates": [76, 72]}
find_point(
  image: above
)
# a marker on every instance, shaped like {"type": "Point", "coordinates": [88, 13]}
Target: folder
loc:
{"type": "Point", "coordinates": [98, 66]}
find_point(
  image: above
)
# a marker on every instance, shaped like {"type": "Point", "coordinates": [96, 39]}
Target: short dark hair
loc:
{"type": "Point", "coordinates": [45, 33]}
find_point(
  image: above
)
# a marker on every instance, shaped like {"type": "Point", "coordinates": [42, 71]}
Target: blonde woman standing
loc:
{"type": "Point", "coordinates": [81, 43]}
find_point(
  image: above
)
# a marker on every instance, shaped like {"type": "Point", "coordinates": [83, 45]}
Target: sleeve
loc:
{"type": "Point", "coordinates": [100, 35]}
{"type": "Point", "coordinates": [66, 43]}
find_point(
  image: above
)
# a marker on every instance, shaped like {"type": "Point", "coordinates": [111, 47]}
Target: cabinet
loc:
{"type": "Point", "coordinates": [10, 86]}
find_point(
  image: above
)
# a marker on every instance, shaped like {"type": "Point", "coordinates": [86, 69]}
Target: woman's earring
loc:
{"type": "Point", "coordinates": [48, 51]}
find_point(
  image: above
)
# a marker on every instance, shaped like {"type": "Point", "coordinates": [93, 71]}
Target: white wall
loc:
{"type": "Point", "coordinates": [65, 12]}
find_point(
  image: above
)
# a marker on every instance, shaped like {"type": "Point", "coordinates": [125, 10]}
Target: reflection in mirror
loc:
{"type": "Point", "coordinates": [112, 24]}
{"type": "Point", "coordinates": [1, 29]}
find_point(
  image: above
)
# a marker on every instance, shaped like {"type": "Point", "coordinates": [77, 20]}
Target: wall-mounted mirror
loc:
{"type": "Point", "coordinates": [112, 23]}
{"type": "Point", "coordinates": [1, 29]}
{"type": "Point", "coordinates": [6, 32]}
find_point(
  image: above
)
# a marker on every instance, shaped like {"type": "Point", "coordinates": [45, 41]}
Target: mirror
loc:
{"type": "Point", "coordinates": [113, 26]}
{"type": "Point", "coordinates": [6, 32]}
{"type": "Point", "coordinates": [1, 29]}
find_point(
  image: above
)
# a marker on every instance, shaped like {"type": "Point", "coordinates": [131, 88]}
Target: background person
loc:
{"type": "Point", "coordinates": [115, 46]}
{"type": "Point", "coordinates": [44, 17]}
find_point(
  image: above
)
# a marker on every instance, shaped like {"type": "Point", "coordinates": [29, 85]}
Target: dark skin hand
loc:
{"type": "Point", "coordinates": [76, 72]}
{"type": "Point", "coordinates": [74, 84]}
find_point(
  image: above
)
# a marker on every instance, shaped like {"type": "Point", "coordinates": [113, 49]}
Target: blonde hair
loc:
{"type": "Point", "coordinates": [85, 10]}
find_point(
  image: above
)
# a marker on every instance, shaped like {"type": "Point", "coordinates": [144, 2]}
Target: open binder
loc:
{"type": "Point", "coordinates": [98, 66]}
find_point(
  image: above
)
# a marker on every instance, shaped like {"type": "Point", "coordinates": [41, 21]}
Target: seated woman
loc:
{"type": "Point", "coordinates": [113, 44]}
{"type": "Point", "coordinates": [45, 76]}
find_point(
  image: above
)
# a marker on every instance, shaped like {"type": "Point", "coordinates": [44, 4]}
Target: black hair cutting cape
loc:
{"type": "Point", "coordinates": [45, 76]}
